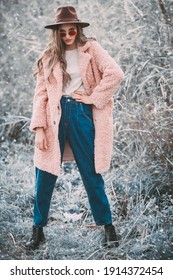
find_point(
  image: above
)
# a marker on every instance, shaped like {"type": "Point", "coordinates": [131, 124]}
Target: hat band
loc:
{"type": "Point", "coordinates": [66, 20]}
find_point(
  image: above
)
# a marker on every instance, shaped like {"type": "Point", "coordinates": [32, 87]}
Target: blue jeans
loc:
{"type": "Point", "coordinates": [76, 124]}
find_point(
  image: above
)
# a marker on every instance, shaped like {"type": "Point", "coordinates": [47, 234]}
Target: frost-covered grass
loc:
{"type": "Point", "coordinates": [139, 184]}
{"type": "Point", "coordinates": [143, 224]}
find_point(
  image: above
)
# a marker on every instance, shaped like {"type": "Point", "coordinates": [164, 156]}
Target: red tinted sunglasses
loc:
{"type": "Point", "coordinates": [70, 33]}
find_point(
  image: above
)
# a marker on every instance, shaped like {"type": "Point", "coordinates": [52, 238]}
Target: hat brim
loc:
{"type": "Point", "coordinates": [55, 25]}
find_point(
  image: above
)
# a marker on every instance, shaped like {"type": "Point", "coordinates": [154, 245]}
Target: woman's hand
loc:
{"type": "Point", "coordinates": [40, 139]}
{"type": "Point", "coordinates": [81, 97]}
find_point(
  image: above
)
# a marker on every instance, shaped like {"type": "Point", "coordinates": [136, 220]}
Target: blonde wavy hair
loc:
{"type": "Point", "coordinates": [56, 50]}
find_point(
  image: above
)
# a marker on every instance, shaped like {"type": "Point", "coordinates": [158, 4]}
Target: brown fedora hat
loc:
{"type": "Point", "coordinates": [66, 15]}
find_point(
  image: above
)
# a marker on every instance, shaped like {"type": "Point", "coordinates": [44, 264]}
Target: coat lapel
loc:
{"type": "Point", "coordinates": [57, 82]}
{"type": "Point", "coordinates": [57, 72]}
{"type": "Point", "coordinates": [84, 60]}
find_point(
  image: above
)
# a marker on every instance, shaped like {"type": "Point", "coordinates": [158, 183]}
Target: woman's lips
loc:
{"type": "Point", "coordinates": [68, 40]}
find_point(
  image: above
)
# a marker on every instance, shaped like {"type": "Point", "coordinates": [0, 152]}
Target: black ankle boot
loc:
{"type": "Point", "coordinates": [110, 236]}
{"type": "Point", "coordinates": [36, 239]}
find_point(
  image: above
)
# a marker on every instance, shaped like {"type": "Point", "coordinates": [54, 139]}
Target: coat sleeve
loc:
{"type": "Point", "coordinates": [111, 73]}
{"type": "Point", "coordinates": [38, 118]}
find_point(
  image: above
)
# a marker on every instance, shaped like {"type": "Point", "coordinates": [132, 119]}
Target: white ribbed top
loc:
{"type": "Point", "coordinates": [74, 71]}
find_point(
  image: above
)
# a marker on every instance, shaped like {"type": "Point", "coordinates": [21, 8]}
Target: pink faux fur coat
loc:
{"type": "Point", "coordinates": [101, 77]}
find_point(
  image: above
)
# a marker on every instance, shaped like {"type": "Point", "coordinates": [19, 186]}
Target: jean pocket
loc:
{"type": "Point", "coordinates": [86, 111]}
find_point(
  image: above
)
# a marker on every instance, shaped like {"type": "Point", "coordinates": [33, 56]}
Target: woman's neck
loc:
{"type": "Point", "coordinates": [70, 47]}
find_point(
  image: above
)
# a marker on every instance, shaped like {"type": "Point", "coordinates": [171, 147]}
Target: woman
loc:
{"type": "Point", "coordinates": [72, 118]}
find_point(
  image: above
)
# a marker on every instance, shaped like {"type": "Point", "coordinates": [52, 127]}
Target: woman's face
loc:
{"type": "Point", "coordinates": [68, 34]}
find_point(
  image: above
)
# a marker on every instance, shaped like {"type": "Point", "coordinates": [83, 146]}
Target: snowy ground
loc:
{"type": "Point", "coordinates": [144, 228]}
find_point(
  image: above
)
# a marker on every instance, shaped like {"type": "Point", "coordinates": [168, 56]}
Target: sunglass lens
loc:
{"type": "Point", "coordinates": [72, 33]}
{"type": "Point", "coordinates": [62, 34]}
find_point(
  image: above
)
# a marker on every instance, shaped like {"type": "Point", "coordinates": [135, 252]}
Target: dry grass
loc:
{"type": "Point", "coordinates": [139, 183]}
